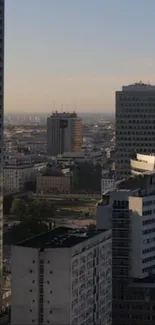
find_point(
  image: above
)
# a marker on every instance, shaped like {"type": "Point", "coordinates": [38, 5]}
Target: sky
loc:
{"type": "Point", "coordinates": [74, 54]}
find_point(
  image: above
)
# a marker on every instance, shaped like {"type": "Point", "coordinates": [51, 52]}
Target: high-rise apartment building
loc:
{"type": "Point", "coordinates": [63, 277]}
{"type": "Point", "coordinates": [130, 212]}
{"type": "Point", "coordinates": [1, 136]}
{"type": "Point", "coordinates": [64, 133]}
{"type": "Point", "coordinates": [135, 124]}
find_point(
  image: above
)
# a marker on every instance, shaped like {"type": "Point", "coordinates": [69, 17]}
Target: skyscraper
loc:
{"type": "Point", "coordinates": [1, 135]}
{"type": "Point", "coordinates": [130, 212]}
{"type": "Point", "coordinates": [64, 133]}
{"type": "Point", "coordinates": [135, 124]}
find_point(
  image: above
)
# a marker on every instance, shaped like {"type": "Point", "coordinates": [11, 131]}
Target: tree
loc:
{"type": "Point", "coordinates": [40, 210]}
{"type": "Point", "coordinates": [19, 209]}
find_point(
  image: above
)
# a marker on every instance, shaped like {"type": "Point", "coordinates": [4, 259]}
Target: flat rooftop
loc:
{"type": "Point", "coordinates": [61, 237]}
{"type": "Point", "coordinates": [136, 182]}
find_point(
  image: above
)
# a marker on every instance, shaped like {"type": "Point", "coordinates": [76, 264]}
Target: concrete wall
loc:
{"type": "Point", "coordinates": [24, 272]}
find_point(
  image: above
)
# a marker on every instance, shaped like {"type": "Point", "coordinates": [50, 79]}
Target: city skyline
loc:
{"type": "Point", "coordinates": [76, 54]}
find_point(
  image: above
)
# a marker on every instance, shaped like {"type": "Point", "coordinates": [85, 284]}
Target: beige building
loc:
{"type": "Point", "coordinates": [64, 133]}
{"type": "Point", "coordinates": [54, 184]}
{"type": "Point", "coordinates": [135, 124]}
{"type": "Point", "coordinates": [142, 163]}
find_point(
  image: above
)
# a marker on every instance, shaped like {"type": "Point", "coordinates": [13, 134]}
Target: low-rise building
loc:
{"type": "Point", "coordinates": [62, 277]}
{"type": "Point", "coordinates": [79, 157]}
{"type": "Point", "coordinates": [16, 175]}
{"type": "Point", "coordinates": [108, 180]}
{"type": "Point", "coordinates": [54, 181]}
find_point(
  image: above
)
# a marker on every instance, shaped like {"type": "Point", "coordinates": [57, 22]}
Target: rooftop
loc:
{"type": "Point", "coordinates": [64, 114]}
{"type": "Point", "coordinates": [139, 86]}
{"type": "Point", "coordinates": [61, 237]}
{"type": "Point", "coordinates": [140, 181]}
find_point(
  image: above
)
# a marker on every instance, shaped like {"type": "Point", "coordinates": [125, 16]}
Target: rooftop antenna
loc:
{"type": "Point", "coordinates": [61, 108]}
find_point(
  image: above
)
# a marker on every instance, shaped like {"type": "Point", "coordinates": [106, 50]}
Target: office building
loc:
{"type": "Point", "coordinates": [142, 163]}
{"type": "Point", "coordinates": [135, 124]}
{"type": "Point", "coordinates": [1, 136]}
{"type": "Point", "coordinates": [64, 133]}
{"type": "Point", "coordinates": [130, 212]}
{"type": "Point", "coordinates": [62, 277]}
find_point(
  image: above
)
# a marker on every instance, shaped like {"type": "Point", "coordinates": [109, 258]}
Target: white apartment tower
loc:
{"type": "Point", "coordinates": [129, 211]}
{"type": "Point", "coordinates": [1, 136]}
{"type": "Point", "coordinates": [64, 133]}
{"type": "Point", "coordinates": [135, 124]}
{"type": "Point", "coordinates": [63, 277]}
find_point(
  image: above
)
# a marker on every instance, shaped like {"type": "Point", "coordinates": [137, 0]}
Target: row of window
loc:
{"type": "Point", "coordinates": [135, 139]}
{"type": "Point", "coordinates": [135, 133]}
{"type": "Point", "coordinates": [148, 250]}
{"type": "Point", "coordinates": [149, 221]}
{"type": "Point", "coordinates": [127, 105]}
{"type": "Point", "coordinates": [148, 231]}
{"type": "Point", "coordinates": [130, 127]}
{"type": "Point", "coordinates": [122, 115]}
{"type": "Point", "coordinates": [136, 98]}
{"type": "Point", "coordinates": [148, 213]}
{"type": "Point", "coordinates": [136, 121]}
{"type": "Point", "coordinates": [145, 203]}
{"type": "Point", "coordinates": [148, 259]}
{"type": "Point", "coordinates": [148, 269]}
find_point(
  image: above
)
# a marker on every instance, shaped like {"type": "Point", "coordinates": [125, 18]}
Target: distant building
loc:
{"type": "Point", "coordinates": [135, 124]}
{"type": "Point", "coordinates": [16, 175]}
{"type": "Point", "coordinates": [142, 163]}
{"type": "Point", "coordinates": [69, 158]}
{"type": "Point", "coordinates": [62, 277]}
{"type": "Point", "coordinates": [64, 133]}
{"type": "Point", "coordinates": [54, 181]}
{"type": "Point", "coordinates": [129, 211]}
{"type": "Point", "coordinates": [37, 147]}
{"type": "Point", "coordinates": [108, 180]}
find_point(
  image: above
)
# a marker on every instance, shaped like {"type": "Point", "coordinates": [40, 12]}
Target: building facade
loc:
{"type": "Point", "coordinates": [62, 277]}
{"type": "Point", "coordinates": [108, 180]}
{"type": "Point", "coordinates": [135, 124]}
{"type": "Point", "coordinates": [15, 176]}
{"type": "Point", "coordinates": [54, 184]}
{"type": "Point", "coordinates": [130, 212]}
{"type": "Point", "coordinates": [64, 133]}
{"type": "Point", "coordinates": [1, 136]}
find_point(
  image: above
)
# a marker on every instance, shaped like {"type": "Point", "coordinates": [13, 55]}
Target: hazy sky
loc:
{"type": "Point", "coordinates": [76, 52]}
